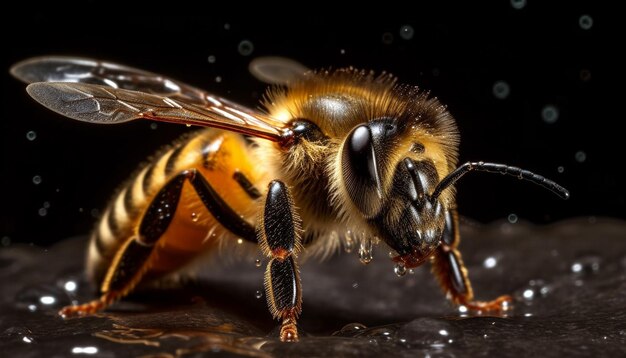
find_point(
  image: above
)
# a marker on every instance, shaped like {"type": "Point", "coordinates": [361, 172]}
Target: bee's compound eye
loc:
{"type": "Point", "coordinates": [360, 140]}
{"type": "Point", "coordinates": [360, 172]}
{"type": "Point", "coordinates": [304, 128]}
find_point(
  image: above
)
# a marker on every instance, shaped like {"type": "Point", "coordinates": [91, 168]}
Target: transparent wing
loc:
{"type": "Point", "coordinates": [84, 70]}
{"type": "Point", "coordinates": [101, 104]}
{"type": "Point", "coordinates": [276, 70]}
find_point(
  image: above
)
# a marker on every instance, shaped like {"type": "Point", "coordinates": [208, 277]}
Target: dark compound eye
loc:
{"type": "Point", "coordinates": [304, 128]}
{"type": "Point", "coordinates": [360, 171]}
{"type": "Point", "coordinates": [360, 141]}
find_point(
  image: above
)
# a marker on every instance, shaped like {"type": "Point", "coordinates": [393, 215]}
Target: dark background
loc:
{"type": "Point", "coordinates": [458, 52]}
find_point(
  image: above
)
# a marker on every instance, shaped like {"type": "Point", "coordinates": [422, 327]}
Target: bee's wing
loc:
{"type": "Point", "coordinates": [101, 104]}
{"type": "Point", "coordinates": [84, 70]}
{"type": "Point", "coordinates": [276, 69]}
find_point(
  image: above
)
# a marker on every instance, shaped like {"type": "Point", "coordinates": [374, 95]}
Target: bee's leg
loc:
{"type": "Point", "coordinates": [131, 260]}
{"type": "Point", "coordinates": [279, 238]}
{"type": "Point", "coordinates": [451, 273]}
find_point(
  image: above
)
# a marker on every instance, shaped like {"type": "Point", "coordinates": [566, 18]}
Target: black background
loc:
{"type": "Point", "coordinates": [458, 52]}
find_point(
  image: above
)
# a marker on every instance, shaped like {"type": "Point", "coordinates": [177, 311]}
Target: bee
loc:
{"type": "Point", "coordinates": [335, 154]}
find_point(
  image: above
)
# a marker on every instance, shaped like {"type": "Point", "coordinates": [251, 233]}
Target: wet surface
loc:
{"type": "Point", "coordinates": [568, 280]}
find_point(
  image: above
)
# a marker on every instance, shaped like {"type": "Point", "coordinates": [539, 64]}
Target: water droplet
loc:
{"type": "Point", "coordinates": [42, 212]}
{"type": "Point", "coordinates": [355, 285]}
{"type": "Point", "coordinates": [428, 332]}
{"type": "Point", "coordinates": [211, 59]}
{"type": "Point", "coordinates": [226, 26]}
{"type": "Point", "coordinates": [560, 169]}
{"type": "Point", "coordinates": [512, 218]}
{"type": "Point", "coordinates": [387, 38]}
{"type": "Point", "coordinates": [550, 114]}
{"type": "Point", "coordinates": [258, 294]}
{"type": "Point", "coordinates": [6, 241]}
{"type": "Point", "coordinates": [239, 241]}
{"type": "Point", "coordinates": [342, 51]}
{"type": "Point", "coordinates": [85, 350]}
{"type": "Point", "coordinates": [218, 79]}
{"type": "Point", "coordinates": [536, 289]}
{"type": "Point", "coordinates": [528, 294]}
{"type": "Point", "coordinates": [528, 314]}
{"type": "Point", "coordinates": [47, 300]}
{"type": "Point", "coordinates": [463, 309]}
{"type": "Point", "coordinates": [37, 297]}
{"type": "Point", "coordinates": [37, 180]}
{"type": "Point", "coordinates": [365, 251]}
{"type": "Point", "coordinates": [379, 334]}
{"type": "Point", "coordinates": [407, 32]}
{"type": "Point", "coordinates": [27, 339]}
{"type": "Point", "coordinates": [351, 329]}
{"type": "Point", "coordinates": [257, 263]}
{"type": "Point", "coordinates": [245, 48]}
{"type": "Point", "coordinates": [585, 22]}
{"type": "Point", "coordinates": [154, 126]}
{"type": "Point", "coordinates": [490, 262]}
{"type": "Point", "coordinates": [46, 204]}
{"type": "Point", "coordinates": [31, 135]}
{"type": "Point", "coordinates": [587, 265]}
{"type": "Point", "coordinates": [518, 4]}
{"type": "Point", "coordinates": [580, 156]}
{"type": "Point", "coordinates": [399, 269]}
{"type": "Point", "coordinates": [194, 217]}
{"type": "Point", "coordinates": [411, 271]}
{"type": "Point", "coordinates": [70, 286]}
{"type": "Point", "coordinates": [188, 125]}
{"type": "Point", "coordinates": [501, 90]}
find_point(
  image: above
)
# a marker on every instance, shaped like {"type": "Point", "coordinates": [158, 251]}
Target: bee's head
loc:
{"type": "Point", "coordinates": [402, 196]}
{"type": "Point", "coordinates": [392, 193]}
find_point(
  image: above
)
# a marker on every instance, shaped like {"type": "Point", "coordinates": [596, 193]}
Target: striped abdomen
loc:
{"type": "Point", "coordinates": [223, 158]}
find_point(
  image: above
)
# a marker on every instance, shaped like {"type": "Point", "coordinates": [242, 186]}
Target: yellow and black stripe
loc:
{"type": "Point", "coordinates": [219, 201]}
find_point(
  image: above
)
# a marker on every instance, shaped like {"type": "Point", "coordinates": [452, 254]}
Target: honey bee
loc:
{"type": "Point", "coordinates": [336, 154]}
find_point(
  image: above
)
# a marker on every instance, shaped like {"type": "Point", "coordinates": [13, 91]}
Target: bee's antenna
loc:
{"type": "Point", "coordinates": [498, 168]}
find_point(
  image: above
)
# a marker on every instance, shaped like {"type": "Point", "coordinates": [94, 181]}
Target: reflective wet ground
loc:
{"type": "Point", "coordinates": [568, 279]}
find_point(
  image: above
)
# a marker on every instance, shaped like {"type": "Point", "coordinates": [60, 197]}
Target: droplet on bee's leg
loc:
{"type": "Point", "coordinates": [194, 217]}
{"type": "Point", "coordinates": [365, 251]}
